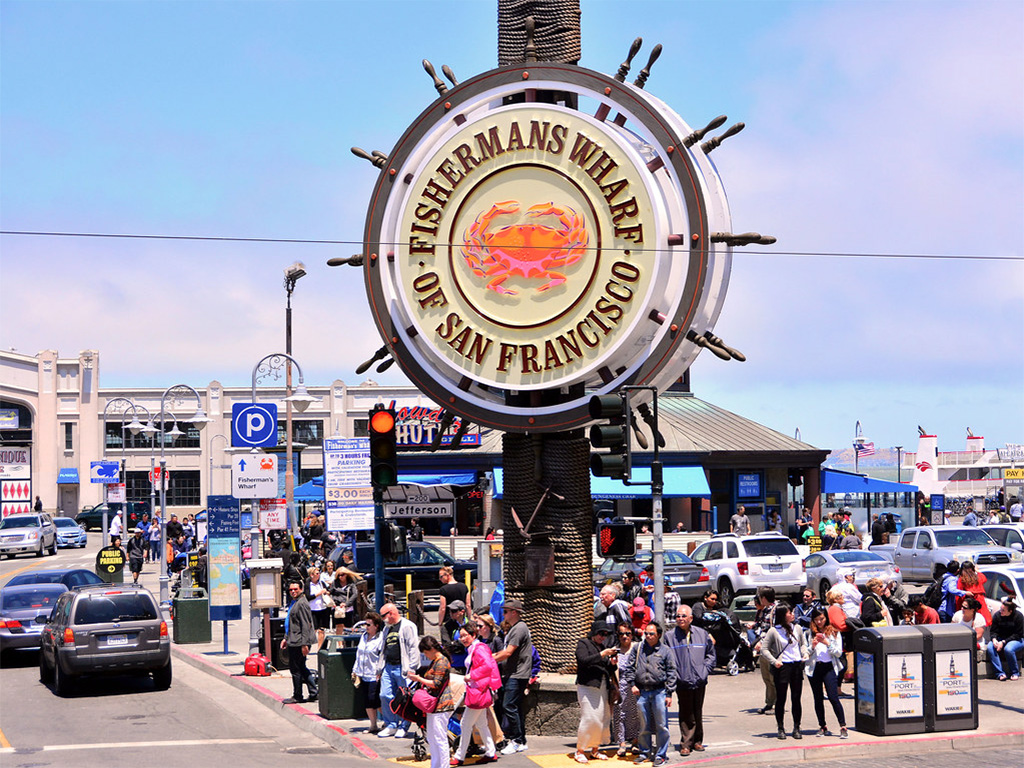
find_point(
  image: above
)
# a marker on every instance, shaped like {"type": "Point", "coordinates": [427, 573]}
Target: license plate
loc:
{"type": "Point", "coordinates": [117, 639]}
{"type": "Point", "coordinates": [775, 568]}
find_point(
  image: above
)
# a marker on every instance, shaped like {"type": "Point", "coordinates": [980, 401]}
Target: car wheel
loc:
{"type": "Point", "coordinates": [162, 677]}
{"type": "Point", "coordinates": [823, 588]}
{"type": "Point", "coordinates": [62, 682]}
{"type": "Point", "coordinates": [726, 593]}
{"type": "Point", "coordinates": [40, 551]}
{"type": "Point", "coordinates": [53, 547]}
{"type": "Point", "coordinates": [45, 673]}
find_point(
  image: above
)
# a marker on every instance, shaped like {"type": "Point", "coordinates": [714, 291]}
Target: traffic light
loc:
{"type": "Point", "coordinates": [614, 435]}
{"type": "Point", "coordinates": [616, 540]}
{"type": "Point", "coordinates": [383, 450]}
{"type": "Point", "coordinates": [393, 540]}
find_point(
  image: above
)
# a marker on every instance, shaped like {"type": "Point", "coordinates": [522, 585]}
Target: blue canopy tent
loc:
{"type": "Point", "coordinates": [679, 481]}
{"type": "Point", "coordinates": [838, 481]}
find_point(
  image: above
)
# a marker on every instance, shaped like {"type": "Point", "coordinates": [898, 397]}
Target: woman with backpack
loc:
{"type": "Point", "coordinates": [482, 681]}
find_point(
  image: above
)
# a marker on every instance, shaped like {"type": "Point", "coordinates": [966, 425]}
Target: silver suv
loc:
{"type": "Point", "coordinates": [104, 629]}
{"type": "Point", "coordinates": [28, 534]}
{"type": "Point", "coordinates": [740, 564]}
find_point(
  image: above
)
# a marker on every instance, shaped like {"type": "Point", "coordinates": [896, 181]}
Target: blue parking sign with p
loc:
{"type": "Point", "coordinates": [253, 425]}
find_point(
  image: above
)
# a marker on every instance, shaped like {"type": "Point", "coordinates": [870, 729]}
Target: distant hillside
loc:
{"type": "Point", "coordinates": [881, 465]}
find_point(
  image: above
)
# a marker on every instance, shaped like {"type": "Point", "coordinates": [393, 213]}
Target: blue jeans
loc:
{"type": "Point", "coordinates": [1009, 653]}
{"type": "Point", "coordinates": [653, 712]}
{"type": "Point", "coordinates": [514, 721]}
{"type": "Point", "coordinates": [390, 682]}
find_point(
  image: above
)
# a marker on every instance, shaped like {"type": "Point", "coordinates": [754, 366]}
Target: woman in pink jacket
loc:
{"type": "Point", "coordinates": [482, 677]}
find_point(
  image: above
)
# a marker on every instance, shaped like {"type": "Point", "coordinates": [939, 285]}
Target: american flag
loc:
{"type": "Point", "coordinates": [864, 449]}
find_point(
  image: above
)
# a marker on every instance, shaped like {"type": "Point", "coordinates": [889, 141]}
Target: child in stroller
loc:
{"type": "Point", "coordinates": [732, 649]}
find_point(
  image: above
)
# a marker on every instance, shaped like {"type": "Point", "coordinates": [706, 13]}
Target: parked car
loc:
{"type": "Point", "coordinates": [1003, 581]}
{"type": "Point", "coordinates": [1008, 535]}
{"type": "Point", "coordinates": [823, 568]}
{"type": "Point", "coordinates": [69, 577]}
{"type": "Point", "coordinates": [422, 560]}
{"type": "Point", "coordinates": [920, 548]}
{"type": "Point", "coordinates": [92, 517]}
{"type": "Point", "coordinates": [28, 534]}
{"type": "Point", "coordinates": [740, 564]}
{"type": "Point", "coordinates": [70, 533]}
{"type": "Point", "coordinates": [24, 609]}
{"type": "Point", "coordinates": [98, 630]}
{"type": "Point", "coordinates": [687, 578]}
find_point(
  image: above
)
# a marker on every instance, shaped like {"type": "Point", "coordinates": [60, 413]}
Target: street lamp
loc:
{"type": "Point", "coordinates": [858, 441]}
{"type": "Point", "coordinates": [199, 420]}
{"type": "Point", "coordinates": [125, 405]}
{"type": "Point", "coordinates": [291, 276]}
{"type": "Point", "coordinates": [270, 365]}
{"type": "Point", "coordinates": [219, 466]}
{"type": "Point", "coordinates": [899, 463]}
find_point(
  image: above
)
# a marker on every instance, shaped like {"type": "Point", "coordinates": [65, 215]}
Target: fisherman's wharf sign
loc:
{"type": "Point", "coordinates": [518, 245]}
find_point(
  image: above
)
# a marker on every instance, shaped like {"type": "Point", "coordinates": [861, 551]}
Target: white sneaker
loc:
{"type": "Point", "coordinates": [510, 749]}
{"type": "Point", "coordinates": [383, 734]}
{"type": "Point", "coordinates": [520, 747]}
{"type": "Point", "coordinates": [400, 733]}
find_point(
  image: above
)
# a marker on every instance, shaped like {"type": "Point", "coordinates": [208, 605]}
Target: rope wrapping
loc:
{"type": "Point", "coordinates": [557, 36]}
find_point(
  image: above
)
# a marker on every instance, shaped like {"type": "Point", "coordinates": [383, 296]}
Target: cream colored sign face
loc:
{"type": "Point", "coordinates": [521, 247]}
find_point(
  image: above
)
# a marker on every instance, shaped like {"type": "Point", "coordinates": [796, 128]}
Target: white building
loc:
{"type": "Point", "coordinates": [55, 415]}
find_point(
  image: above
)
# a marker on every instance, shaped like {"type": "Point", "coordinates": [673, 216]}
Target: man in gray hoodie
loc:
{"type": "Point", "coordinates": [651, 673]}
{"type": "Point", "coordinates": [695, 658]}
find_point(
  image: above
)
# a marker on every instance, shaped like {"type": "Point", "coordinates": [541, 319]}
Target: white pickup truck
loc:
{"type": "Point", "coordinates": [918, 550]}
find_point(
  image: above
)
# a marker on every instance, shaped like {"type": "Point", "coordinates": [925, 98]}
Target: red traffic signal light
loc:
{"type": "Point", "coordinates": [383, 448]}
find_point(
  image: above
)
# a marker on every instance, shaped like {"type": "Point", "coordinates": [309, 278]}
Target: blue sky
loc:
{"type": "Point", "coordinates": [872, 127]}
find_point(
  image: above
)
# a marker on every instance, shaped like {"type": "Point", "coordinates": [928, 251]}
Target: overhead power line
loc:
{"type": "Point", "coordinates": [359, 243]}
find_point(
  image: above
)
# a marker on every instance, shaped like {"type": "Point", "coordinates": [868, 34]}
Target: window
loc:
{"type": "Point", "coordinates": [815, 561]}
{"type": "Point", "coordinates": [770, 548]}
{"type": "Point", "coordinates": [308, 431]}
{"type": "Point", "coordinates": [69, 436]}
{"type": "Point", "coordinates": [137, 486]}
{"type": "Point", "coordinates": [183, 488]}
{"type": "Point", "coordinates": [924, 541]}
{"type": "Point", "coordinates": [734, 551]}
{"type": "Point", "coordinates": [361, 428]}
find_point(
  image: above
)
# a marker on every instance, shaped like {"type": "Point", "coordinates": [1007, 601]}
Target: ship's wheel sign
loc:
{"type": "Point", "coordinates": [544, 228]}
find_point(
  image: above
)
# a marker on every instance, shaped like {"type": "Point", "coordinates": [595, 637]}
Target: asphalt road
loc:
{"type": "Point", "coordinates": [123, 721]}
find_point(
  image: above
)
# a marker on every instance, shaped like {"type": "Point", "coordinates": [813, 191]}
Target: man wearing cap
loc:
{"type": "Point", "coordinates": [695, 658]}
{"type": "Point", "coordinates": [136, 553]}
{"type": "Point", "coordinates": [640, 615]}
{"type": "Point", "coordinates": [450, 635]}
{"type": "Point", "coordinates": [400, 658]}
{"type": "Point", "coordinates": [516, 660]}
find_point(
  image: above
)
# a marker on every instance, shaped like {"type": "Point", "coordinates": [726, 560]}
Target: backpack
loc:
{"type": "Point", "coordinates": [933, 595]}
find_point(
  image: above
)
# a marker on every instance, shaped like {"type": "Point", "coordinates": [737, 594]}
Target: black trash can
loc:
{"type": "Point", "coordinates": [889, 687]}
{"type": "Point", "coordinates": [951, 677]}
{"type": "Point", "coordinates": [339, 698]}
{"type": "Point", "coordinates": [192, 617]}
{"type": "Point", "coordinates": [278, 656]}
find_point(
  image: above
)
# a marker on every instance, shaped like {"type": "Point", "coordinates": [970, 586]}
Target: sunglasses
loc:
{"type": "Point", "coordinates": [625, 634]}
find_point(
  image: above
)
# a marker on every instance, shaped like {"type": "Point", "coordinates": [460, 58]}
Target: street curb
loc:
{"type": "Point", "coordinates": [874, 749]}
{"type": "Point", "coordinates": [298, 715]}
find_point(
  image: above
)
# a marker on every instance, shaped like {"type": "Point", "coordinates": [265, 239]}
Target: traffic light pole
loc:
{"type": "Point", "coordinates": [378, 548]}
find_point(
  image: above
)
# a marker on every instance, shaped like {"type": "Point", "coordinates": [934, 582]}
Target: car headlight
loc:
{"type": "Point", "coordinates": [1016, 557]}
{"type": "Point", "coordinates": [33, 535]}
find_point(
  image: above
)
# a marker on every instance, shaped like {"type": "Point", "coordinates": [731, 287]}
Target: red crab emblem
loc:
{"type": "Point", "coordinates": [530, 250]}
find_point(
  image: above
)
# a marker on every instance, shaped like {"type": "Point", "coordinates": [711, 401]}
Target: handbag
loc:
{"type": "Point", "coordinates": [339, 611]}
{"type": "Point", "coordinates": [328, 601]}
{"type": "Point", "coordinates": [425, 701]}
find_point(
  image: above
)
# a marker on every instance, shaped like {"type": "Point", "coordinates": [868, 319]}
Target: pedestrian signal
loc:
{"type": "Point", "coordinates": [617, 540]}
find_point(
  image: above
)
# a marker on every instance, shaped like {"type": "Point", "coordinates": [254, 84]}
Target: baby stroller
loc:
{"type": "Point", "coordinates": [732, 649]}
{"type": "Point", "coordinates": [403, 707]}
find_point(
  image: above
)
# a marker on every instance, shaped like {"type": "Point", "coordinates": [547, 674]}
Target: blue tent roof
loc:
{"type": "Point", "coordinates": [838, 481]}
{"type": "Point", "coordinates": [679, 481]}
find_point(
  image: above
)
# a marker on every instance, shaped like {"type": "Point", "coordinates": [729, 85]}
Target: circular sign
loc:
{"type": "Point", "coordinates": [539, 236]}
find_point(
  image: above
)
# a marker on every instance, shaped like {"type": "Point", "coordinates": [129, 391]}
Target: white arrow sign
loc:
{"type": "Point", "coordinates": [254, 476]}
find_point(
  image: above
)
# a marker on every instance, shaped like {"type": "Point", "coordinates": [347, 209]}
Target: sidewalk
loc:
{"type": "Point", "coordinates": [736, 735]}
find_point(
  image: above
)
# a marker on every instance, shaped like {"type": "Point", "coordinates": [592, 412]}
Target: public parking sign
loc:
{"type": "Point", "coordinates": [253, 425]}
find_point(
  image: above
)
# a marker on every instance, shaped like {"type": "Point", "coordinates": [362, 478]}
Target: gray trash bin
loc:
{"type": "Point", "coordinates": [192, 617]}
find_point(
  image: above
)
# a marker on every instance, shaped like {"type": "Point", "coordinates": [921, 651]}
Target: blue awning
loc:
{"type": "Point", "coordinates": [68, 476]}
{"type": "Point", "coordinates": [679, 481]}
{"type": "Point", "coordinates": [838, 481]}
{"type": "Point", "coordinates": [313, 490]}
